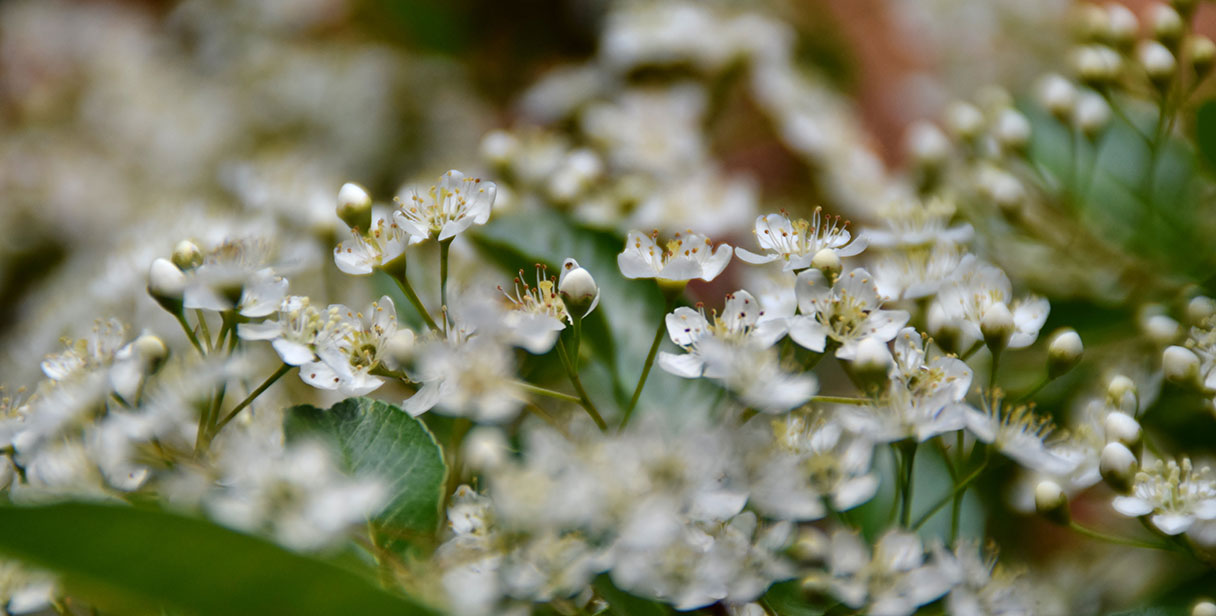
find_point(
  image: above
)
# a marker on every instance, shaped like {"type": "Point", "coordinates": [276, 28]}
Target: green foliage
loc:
{"type": "Point", "coordinates": [130, 560]}
{"type": "Point", "coordinates": [621, 603]}
{"type": "Point", "coordinates": [379, 439]}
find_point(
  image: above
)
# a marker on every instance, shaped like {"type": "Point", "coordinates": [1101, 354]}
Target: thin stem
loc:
{"type": "Point", "coordinates": [905, 507]}
{"type": "Point", "coordinates": [403, 282]}
{"type": "Point", "coordinates": [979, 344]}
{"type": "Point", "coordinates": [1046, 380]}
{"type": "Point", "coordinates": [252, 396]}
{"type": "Point", "coordinates": [181, 318]}
{"type": "Point", "coordinates": [202, 325]}
{"type": "Point", "coordinates": [1093, 534]}
{"type": "Point", "coordinates": [583, 398]}
{"type": "Point", "coordinates": [547, 418]}
{"type": "Point", "coordinates": [549, 393]}
{"type": "Point", "coordinates": [747, 415]}
{"type": "Point", "coordinates": [654, 349]}
{"type": "Point", "coordinates": [956, 507]}
{"type": "Point", "coordinates": [841, 400]}
{"type": "Point", "coordinates": [444, 245]}
{"type": "Point", "coordinates": [577, 340]}
{"type": "Point", "coordinates": [958, 489]}
{"type": "Point", "coordinates": [996, 364]}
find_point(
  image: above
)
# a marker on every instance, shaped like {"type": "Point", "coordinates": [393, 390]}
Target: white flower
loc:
{"type": "Point", "coordinates": [1175, 495]}
{"type": "Point", "coordinates": [87, 354]}
{"type": "Point", "coordinates": [450, 207]}
{"type": "Point", "coordinates": [1202, 342]}
{"type": "Point", "coordinates": [797, 241]}
{"type": "Point", "coordinates": [294, 332]}
{"type": "Point", "coordinates": [846, 312]}
{"type": "Point", "coordinates": [465, 377]}
{"type": "Point", "coordinates": [681, 259]}
{"type": "Point", "coordinates": [1020, 434]}
{"type": "Point", "coordinates": [380, 247]}
{"type": "Point", "coordinates": [894, 581]}
{"type": "Point", "coordinates": [974, 289]}
{"type": "Point", "coordinates": [537, 315]}
{"type": "Point", "coordinates": [738, 325]}
{"type": "Point", "coordinates": [837, 463]}
{"type": "Point", "coordinates": [755, 374]}
{"type": "Point", "coordinates": [236, 275]}
{"type": "Point", "coordinates": [350, 346]}
{"type": "Point", "coordinates": [980, 586]}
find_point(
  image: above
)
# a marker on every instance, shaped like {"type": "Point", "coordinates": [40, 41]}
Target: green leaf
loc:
{"type": "Point", "coordinates": [621, 603]}
{"type": "Point", "coordinates": [133, 560]}
{"type": "Point", "coordinates": [787, 599]}
{"type": "Point", "coordinates": [1205, 132]}
{"type": "Point", "coordinates": [375, 438]}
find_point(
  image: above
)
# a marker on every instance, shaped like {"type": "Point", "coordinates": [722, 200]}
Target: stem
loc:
{"type": "Point", "coordinates": [979, 344]}
{"type": "Point", "coordinates": [576, 341]}
{"type": "Point", "coordinates": [996, 364]}
{"type": "Point", "coordinates": [841, 400]}
{"type": "Point", "coordinates": [202, 324]}
{"type": "Point", "coordinates": [403, 283]}
{"type": "Point", "coordinates": [654, 349]}
{"type": "Point", "coordinates": [1093, 534]}
{"type": "Point", "coordinates": [956, 507]}
{"type": "Point", "coordinates": [549, 393]}
{"type": "Point", "coordinates": [583, 399]}
{"type": "Point", "coordinates": [252, 396]}
{"type": "Point", "coordinates": [905, 507]}
{"type": "Point", "coordinates": [747, 415]}
{"type": "Point", "coordinates": [1036, 389]}
{"type": "Point", "coordinates": [547, 418]}
{"type": "Point", "coordinates": [958, 489]}
{"type": "Point", "coordinates": [444, 245]}
{"type": "Point", "coordinates": [181, 318]}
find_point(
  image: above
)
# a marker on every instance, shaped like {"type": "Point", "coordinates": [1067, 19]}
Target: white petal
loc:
{"type": "Point", "coordinates": [813, 291]}
{"type": "Point", "coordinates": [1172, 523]}
{"type": "Point", "coordinates": [808, 333]}
{"type": "Point", "coordinates": [688, 365]}
{"type": "Point", "coordinates": [1131, 506]}
{"type": "Point", "coordinates": [685, 326]}
{"type": "Point", "coordinates": [319, 375]}
{"type": "Point", "coordinates": [292, 353]}
{"type": "Point", "coordinates": [748, 256]}
{"type": "Point", "coordinates": [266, 330]}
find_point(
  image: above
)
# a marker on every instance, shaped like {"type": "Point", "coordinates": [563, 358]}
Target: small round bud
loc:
{"type": "Point", "coordinates": [1058, 95]}
{"type": "Point", "coordinates": [1063, 352]}
{"type": "Point", "coordinates": [945, 331]}
{"type": "Point", "coordinates": [1201, 51]}
{"type": "Point", "coordinates": [1118, 467]}
{"type": "Point", "coordinates": [1200, 308]}
{"type": "Point", "coordinates": [1096, 64]}
{"type": "Point", "coordinates": [1122, 394]}
{"type": "Point", "coordinates": [399, 348]}
{"type": "Point", "coordinates": [1051, 502]}
{"type": "Point", "coordinates": [1012, 130]}
{"type": "Point", "coordinates": [964, 120]}
{"type": "Point", "coordinates": [485, 448]}
{"type": "Point", "coordinates": [872, 363]}
{"type": "Point", "coordinates": [1121, 25]}
{"type": "Point", "coordinates": [828, 262]}
{"type": "Point", "coordinates": [151, 350]}
{"type": "Point", "coordinates": [498, 147]}
{"type": "Point", "coordinates": [166, 284]}
{"type": "Point", "coordinates": [1089, 21]}
{"type": "Point", "coordinates": [186, 255]}
{"type": "Point", "coordinates": [1158, 62]}
{"type": "Point", "coordinates": [1204, 608]}
{"type": "Point", "coordinates": [1166, 24]}
{"type": "Point", "coordinates": [355, 206]}
{"type": "Point", "coordinates": [926, 144]}
{"type": "Point", "coordinates": [578, 289]}
{"type": "Point", "coordinates": [1161, 329]}
{"type": "Point", "coordinates": [997, 326]}
{"type": "Point", "coordinates": [1005, 190]}
{"type": "Point", "coordinates": [1091, 114]}
{"type": "Point", "coordinates": [1122, 428]}
{"type": "Point", "coordinates": [1181, 366]}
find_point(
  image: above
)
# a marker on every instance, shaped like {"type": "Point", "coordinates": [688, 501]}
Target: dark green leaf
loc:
{"type": "Point", "coordinates": [375, 438]}
{"type": "Point", "coordinates": [1205, 132]}
{"type": "Point", "coordinates": [621, 603]}
{"type": "Point", "coordinates": [133, 560]}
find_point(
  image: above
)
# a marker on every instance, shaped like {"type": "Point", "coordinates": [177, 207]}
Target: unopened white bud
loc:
{"type": "Point", "coordinates": [872, 362]}
{"type": "Point", "coordinates": [1089, 21]}
{"type": "Point", "coordinates": [186, 255]}
{"type": "Point", "coordinates": [1122, 393]}
{"type": "Point", "coordinates": [1051, 502]}
{"type": "Point", "coordinates": [964, 120]}
{"type": "Point", "coordinates": [485, 448]}
{"type": "Point", "coordinates": [827, 261]}
{"type": "Point", "coordinates": [1158, 62]}
{"type": "Point", "coordinates": [1122, 428]}
{"type": "Point", "coordinates": [1121, 25]}
{"type": "Point", "coordinates": [1204, 608]}
{"type": "Point", "coordinates": [1096, 64]}
{"type": "Point", "coordinates": [1063, 352]}
{"type": "Point", "coordinates": [1118, 467]}
{"type": "Point", "coordinates": [1161, 329]}
{"type": "Point", "coordinates": [1012, 130]}
{"type": "Point", "coordinates": [578, 289]}
{"type": "Point", "coordinates": [399, 348]}
{"type": "Point", "coordinates": [1091, 114]}
{"type": "Point", "coordinates": [945, 331]}
{"type": "Point", "coordinates": [997, 326]}
{"type": "Point", "coordinates": [1166, 24]}
{"type": "Point", "coordinates": [926, 144]}
{"type": "Point", "coordinates": [1200, 308]}
{"type": "Point", "coordinates": [1181, 366]}
{"type": "Point", "coordinates": [1005, 190]}
{"type": "Point", "coordinates": [1058, 95]}
{"type": "Point", "coordinates": [151, 350]}
{"type": "Point", "coordinates": [499, 147]}
{"type": "Point", "coordinates": [355, 206]}
{"type": "Point", "coordinates": [1201, 51]}
{"type": "Point", "coordinates": [166, 284]}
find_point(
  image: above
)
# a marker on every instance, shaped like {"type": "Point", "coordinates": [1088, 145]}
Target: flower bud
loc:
{"type": "Point", "coordinates": [1181, 366]}
{"type": "Point", "coordinates": [943, 329]}
{"type": "Point", "coordinates": [1118, 467]}
{"type": "Point", "coordinates": [578, 289]}
{"type": "Point", "coordinates": [151, 350]}
{"type": "Point", "coordinates": [1089, 21]}
{"type": "Point", "coordinates": [1096, 65]}
{"type": "Point", "coordinates": [964, 120]}
{"type": "Point", "coordinates": [355, 206]}
{"type": "Point", "coordinates": [828, 262]}
{"type": "Point", "coordinates": [1051, 502]}
{"type": "Point", "coordinates": [872, 362]}
{"type": "Point", "coordinates": [1063, 352]}
{"type": "Point", "coordinates": [1121, 392]}
{"type": "Point", "coordinates": [1058, 95]}
{"type": "Point", "coordinates": [1012, 130]}
{"type": "Point", "coordinates": [997, 326]}
{"type": "Point", "coordinates": [926, 145]}
{"type": "Point", "coordinates": [485, 448]}
{"type": "Point", "coordinates": [399, 348]}
{"type": "Point", "coordinates": [1204, 608]}
{"type": "Point", "coordinates": [498, 147]}
{"type": "Point", "coordinates": [166, 284]}
{"type": "Point", "coordinates": [1199, 309]}
{"type": "Point", "coordinates": [1161, 329]}
{"type": "Point", "coordinates": [1091, 114]}
{"type": "Point", "coordinates": [1121, 25]}
{"type": "Point", "coordinates": [1201, 51]}
{"type": "Point", "coordinates": [1158, 62]}
{"type": "Point", "coordinates": [1122, 428]}
{"type": "Point", "coordinates": [186, 255]}
{"type": "Point", "coordinates": [1166, 24]}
